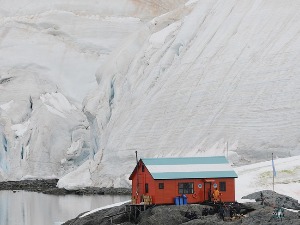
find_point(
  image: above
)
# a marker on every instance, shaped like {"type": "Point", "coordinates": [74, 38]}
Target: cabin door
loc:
{"type": "Point", "coordinates": [207, 191]}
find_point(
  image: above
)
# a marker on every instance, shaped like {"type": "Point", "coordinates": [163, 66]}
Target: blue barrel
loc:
{"type": "Point", "coordinates": [176, 199]}
{"type": "Point", "coordinates": [180, 200]}
{"type": "Point", "coordinates": [184, 199]}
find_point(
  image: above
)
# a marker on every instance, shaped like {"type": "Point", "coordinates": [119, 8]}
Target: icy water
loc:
{"type": "Point", "coordinates": [30, 208]}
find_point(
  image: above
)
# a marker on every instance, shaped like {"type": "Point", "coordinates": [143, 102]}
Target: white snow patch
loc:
{"type": "Point", "coordinates": [160, 37]}
{"type": "Point", "coordinates": [58, 101]}
{"type": "Point", "coordinates": [78, 178]}
{"type": "Point", "coordinates": [258, 176]}
{"type": "Point", "coordinates": [246, 200]}
{"type": "Point", "coordinates": [58, 223]}
{"type": "Point", "coordinates": [121, 19]}
{"type": "Point", "coordinates": [105, 207]}
{"type": "Point", "coordinates": [20, 129]}
{"type": "Point", "coordinates": [191, 2]}
{"type": "Point", "coordinates": [75, 146]}
{"type": "Point", "coordinates": [292, 210]}
{"type": "Point", "coordinates": [56, 112]}
{"type": "Point", "coordinates": [57, 104]}
{"type": "Point", "coordinates": [7, 105]}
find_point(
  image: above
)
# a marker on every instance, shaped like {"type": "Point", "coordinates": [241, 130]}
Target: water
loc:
{"type": "Point", "coordinates": [30, 208]}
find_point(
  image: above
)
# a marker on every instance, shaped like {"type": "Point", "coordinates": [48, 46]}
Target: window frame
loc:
{"type": "Point", "coordinates": [222, 186]}
{"type": "Point", "coordinates": [186, 188]}
{"type": "Point", "coordinates": [146, 188]}
{"type": "Point", "coordinates": [161, 186]}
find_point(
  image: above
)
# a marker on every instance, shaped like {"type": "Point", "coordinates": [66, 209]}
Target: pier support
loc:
{"type": "Point", "coordinates": [135, 210]}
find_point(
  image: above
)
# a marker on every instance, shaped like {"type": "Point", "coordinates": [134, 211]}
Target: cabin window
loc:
{"type": "Point", "coordinates": [186, 188]}
{"type": "Point", "coordinates": [143, 168]}
{"type": "Point", "coordinates": [161, 185]}
{"type": "Point", "coordinates": [222, 186]}
{"type": "Point", "coordinates": [146, 188]}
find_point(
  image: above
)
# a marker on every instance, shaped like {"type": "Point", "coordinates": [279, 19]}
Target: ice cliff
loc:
{"type": "Point", "coordinates": [83, 86]}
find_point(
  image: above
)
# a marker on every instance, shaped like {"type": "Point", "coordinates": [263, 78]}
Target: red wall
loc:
{"type": "Point", "coordinates": [170, 191]}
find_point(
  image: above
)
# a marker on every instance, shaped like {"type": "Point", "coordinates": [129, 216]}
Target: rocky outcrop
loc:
{"type": "Point", "coordinates": [271, 198]}
{"type": "Point", "coordinates": [251, 214]}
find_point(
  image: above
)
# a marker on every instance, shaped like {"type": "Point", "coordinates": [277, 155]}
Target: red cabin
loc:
{"type": "Point", "coordinates": [161, 180]}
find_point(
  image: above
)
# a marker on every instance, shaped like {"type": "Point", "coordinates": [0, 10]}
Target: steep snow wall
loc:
{"type": "Point", "coordinates": [35, 133]}
{"type": "Point", "coordinates": [49, 54]}
{"type": "Point", "coordinates": [144, 9]}
{"type": "Point", "coordinates": [227, 72]}
{"type": "Point", "coordinates": [66, 41]}
{"type": "Point", "coordinates": [173, 78]}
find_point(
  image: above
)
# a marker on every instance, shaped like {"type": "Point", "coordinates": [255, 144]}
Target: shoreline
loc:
{"type": "Point", "coordinates": [49, 187]}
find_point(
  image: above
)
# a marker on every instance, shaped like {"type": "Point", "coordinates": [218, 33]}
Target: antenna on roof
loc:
{"type": "Point", "coordinates": [136, 157]}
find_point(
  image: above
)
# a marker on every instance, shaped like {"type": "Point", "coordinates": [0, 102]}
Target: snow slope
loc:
{"type": "Point", "coordinates": [50, 52]}
{"type": "Point", "coordinates": [164, 78]}
{"type": "Point", "coordinates": [119, 8]}
{"type": "Point", "coordinates": [259, 176]}
{"type": "Point", "coordinates": [224, 72]}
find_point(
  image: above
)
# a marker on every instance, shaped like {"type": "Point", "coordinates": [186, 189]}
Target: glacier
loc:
{"type": "Point", "coordinates": [84, 86]}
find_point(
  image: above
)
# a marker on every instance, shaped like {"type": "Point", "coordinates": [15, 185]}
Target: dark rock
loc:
{"type": "Point", "coordinates": [29, 185]}
{"type": "Point", "coordinates": [102, 217]}
{"type": "Point", "coordinates": [56, 191]}
{"type": "Point", "coordinates": [273, 199]}
{"type": "Point", "coordinates": [49, 187]}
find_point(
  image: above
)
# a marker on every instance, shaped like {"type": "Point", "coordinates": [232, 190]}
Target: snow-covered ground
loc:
{"type": "Point", "coordinates": [84, 86]}
{"type": "Point", "coordinates": [105, 207]}
{"type": "Point", "coordinates": [259, 176]}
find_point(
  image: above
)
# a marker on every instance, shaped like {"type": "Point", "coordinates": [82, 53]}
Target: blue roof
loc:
{"type": "Point", "coordinates": [190, 167]}
{"type": "Point", "coordinates": [185, 161]}
{"type": "Point", "coordinates": [191, 175]}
